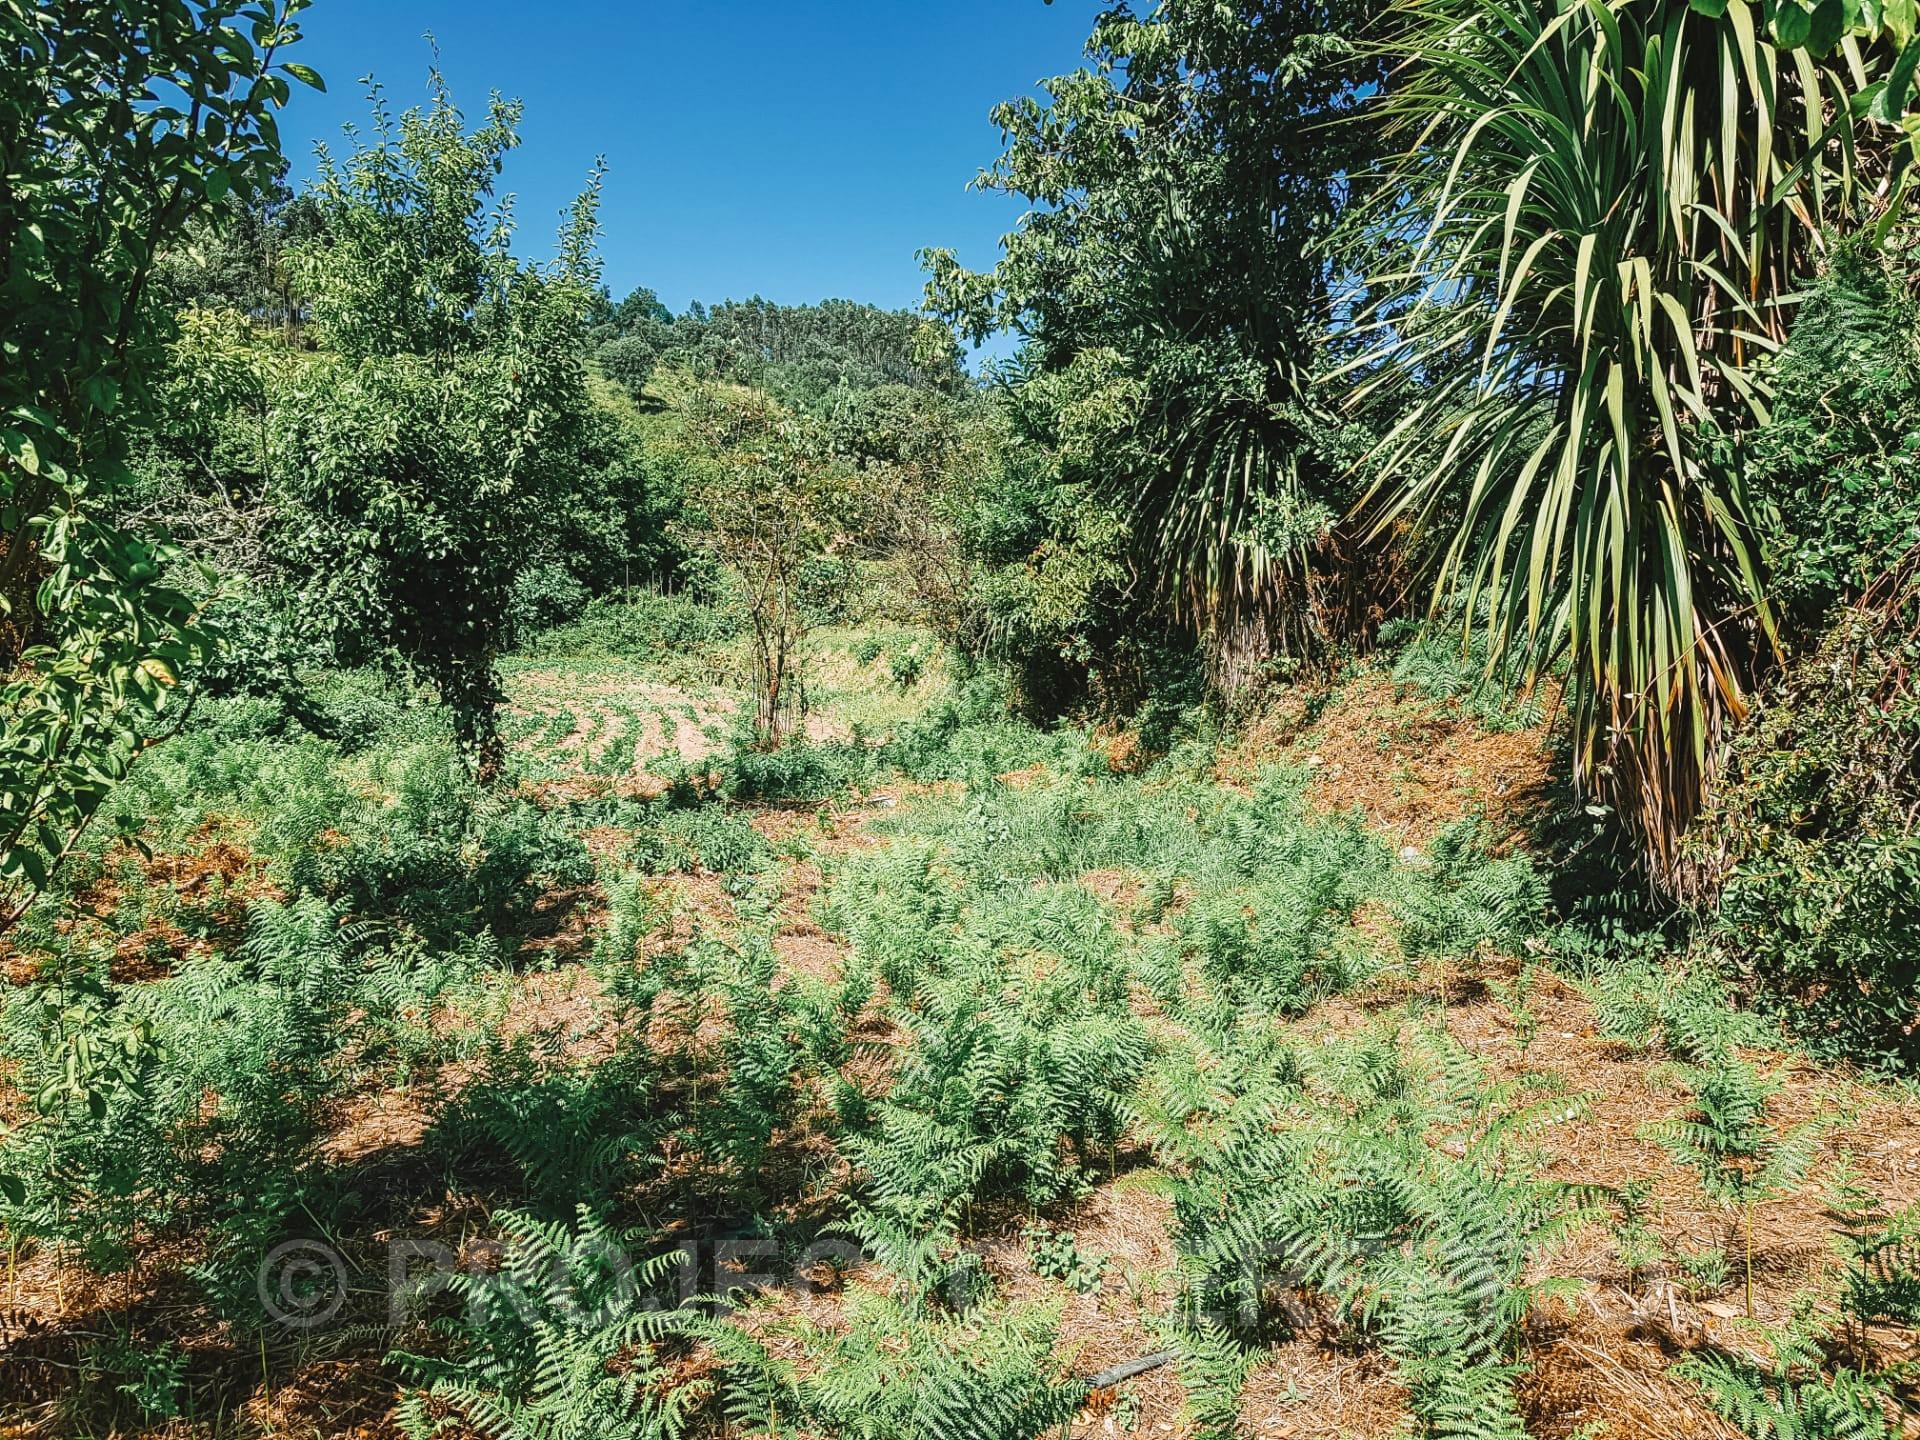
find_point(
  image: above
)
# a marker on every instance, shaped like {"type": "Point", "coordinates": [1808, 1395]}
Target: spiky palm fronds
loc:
{"type": "Point", "coordinates": [1591, 241]}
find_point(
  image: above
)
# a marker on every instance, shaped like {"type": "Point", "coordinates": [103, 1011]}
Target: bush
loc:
{"type": "Point", "coordinates": [544, 595]}
{"type": "Point", "coordinates": [1813, 836]}
{"type": "Point", "coordinates": [971, 736]}
{"type": "Point", "coordinates": [441, 853]}
{"type": "Point", "coordinates": [802, 770]}
{"type": "Point", "coordinates": [399, 832]}
{"type": "Point", "coordinates": [644, 629]}
{"type": "Point", "coordinates": [1832, 475]}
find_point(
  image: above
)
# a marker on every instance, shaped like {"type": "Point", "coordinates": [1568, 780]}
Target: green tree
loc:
{"type": "Point", "coordinates": [1178, 188]}
{"type": "Point", "coordinates": [628, 361]}
{"type": "Point", "coordinates": [419, 457]}
{"type": "Point", "coordinates": [235, 258]}
{"type": "Point", "coordinates": [119, 125]}
{"type": "Point", "coordinates": [808, 357]}
{"type": "Point", "coordinates": [776, 511]}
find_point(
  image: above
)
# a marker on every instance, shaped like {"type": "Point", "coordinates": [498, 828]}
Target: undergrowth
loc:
{"type": "Point", "coordinates": [1045, 979]}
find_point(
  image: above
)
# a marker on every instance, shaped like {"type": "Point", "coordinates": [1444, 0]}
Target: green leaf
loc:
{"type": "Point", "coordinates": [102, 393]}
{"type": "Point", "coordinates": [1891, 100]}
{"type": "Point", "coordinates": [1829, 25]}
{"type": "Point", "coordinates": [306, 75]}
{"type": "Point", "coordinates": [1792, 26]}
{"type": "Point", "coordinates": [1898, 17]}
{"type": "Point", "coordinates": [24, 452]}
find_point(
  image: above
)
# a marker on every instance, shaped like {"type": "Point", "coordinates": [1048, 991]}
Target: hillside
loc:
{"type": "Point", "coordinates": [1113, 1035]}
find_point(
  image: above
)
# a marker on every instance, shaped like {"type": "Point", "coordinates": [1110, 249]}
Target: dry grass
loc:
{"type": "Point", "coordinates": [1409, 765]}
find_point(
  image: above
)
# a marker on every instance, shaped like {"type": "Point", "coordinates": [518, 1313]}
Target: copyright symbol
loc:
{"type": "Point", "coordinates": [302, 1284]}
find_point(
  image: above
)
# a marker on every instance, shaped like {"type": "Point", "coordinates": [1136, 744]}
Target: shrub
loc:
{"type": "Point", "coordinates": [643, 629]}
{"type": "Point", "coordinates": [1832, 472]}
{"type": "Point", "coordinates": [544, 595]}
{"type": "Point", "coordinates": [439, 852]}
{"type": "Point", "coordinates": [801, 770]}
{"type": "Point", "coordinates": [708, 837]}
{"type": "Point", "coordinates": [972, 736]}
{"type": "Point", "coordinates": [1819, 910]}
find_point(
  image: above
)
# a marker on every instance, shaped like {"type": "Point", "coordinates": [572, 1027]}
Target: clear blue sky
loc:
{"type": "Point", "coordinates": [799, 150]}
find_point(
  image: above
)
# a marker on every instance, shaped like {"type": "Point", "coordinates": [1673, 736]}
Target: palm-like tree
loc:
{"type": "Point", "coordinates": [1592, 232]}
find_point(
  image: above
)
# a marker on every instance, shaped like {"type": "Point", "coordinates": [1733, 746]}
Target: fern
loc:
{"type": "Point", "coordinates": [190, 1102]}
{"type": "Point", "coordinates": [1390, 1180]}
{"type": "Point", "coordinates": [1881, 1251]}
{"type": "Point", "coordinates": [1729, 1142]}
{"type": "Point", "coordinates": [1459, 897]}
{"type": "Point", "coordinates": [1213, 1369]}
{"type": "Point", "coordinates": [1006, 1087]}
{"type": "Point", "coordinates": [1790, 1397]}
{"type": "Point", "coordinates": [899, 1371]}
{"type": "Point", "coordinates": [561, 1344]}
{"type": "Point", "coordinates": [573, 1131]}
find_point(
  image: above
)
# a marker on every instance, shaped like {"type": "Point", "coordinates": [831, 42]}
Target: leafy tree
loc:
{"type": "Point", "coordinates": [773, 509]}
{"type": "Point", "coordinates": [1177, 190]}
{"type": "Point", "coordinates": [1578, 264]}
{"type": "Point", "coordinates": [628, 361]}
{"type": "Point", "coordinates": [1052, 590]}
{"type": "Point", "coordinates": [630, 337]}
{"type": "Point", "coordinates": [924, 457]}
{"type": "Point", "coordinates": [419, 457]}
{"type": "Point", "coordinates": [118, 126]}
{"type": "Point", "coordinates": [806, 356]}
{"type": "Point", "coordinates": [236, 258]}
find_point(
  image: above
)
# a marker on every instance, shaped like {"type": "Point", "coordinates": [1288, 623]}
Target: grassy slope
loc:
{"type": "Point", "coordinates": [1177, 882]}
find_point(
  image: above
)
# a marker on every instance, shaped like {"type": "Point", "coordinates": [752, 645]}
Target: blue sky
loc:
{"type": "Point", "coordinates": [799, 149]}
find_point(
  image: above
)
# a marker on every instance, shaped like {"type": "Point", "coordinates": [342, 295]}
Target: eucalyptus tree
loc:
{"type": "Point", "coordinates": [1578, 264]}
{"type": "Point", "coordinates": [119, 125]}
{"type": "Point", "coordinates": [1179, 185]}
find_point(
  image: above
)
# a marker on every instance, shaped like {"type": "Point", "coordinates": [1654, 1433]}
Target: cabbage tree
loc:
{"type": "Point", "coordinates": [1577, 267]}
